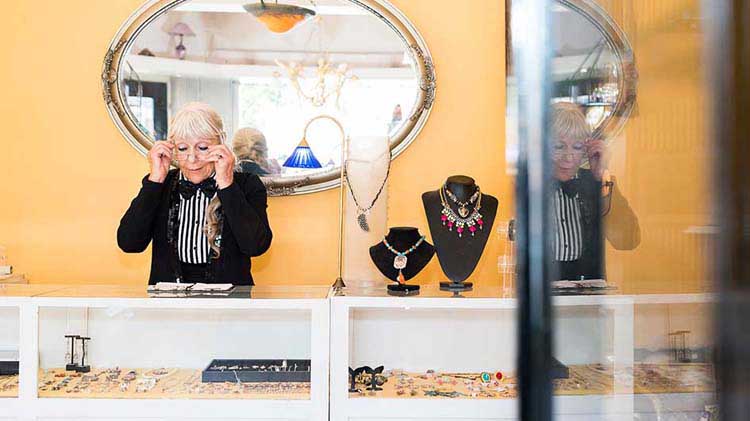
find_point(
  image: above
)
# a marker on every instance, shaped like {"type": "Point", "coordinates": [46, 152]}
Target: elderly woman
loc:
{"type": "Point", "coordinates": [251, 149]}
{"type": "Point", "coordinates": [587, 208]}
{"type": "Point", "coordinates": [205, 220]}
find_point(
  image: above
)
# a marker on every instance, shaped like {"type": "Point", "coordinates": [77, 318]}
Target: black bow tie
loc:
{"type": "Point", "coordinates": [187, 189]}
{"type": "Point", "coordinates": [570, 187]}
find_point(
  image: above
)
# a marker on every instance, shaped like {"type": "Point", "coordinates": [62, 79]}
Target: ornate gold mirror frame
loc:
{"type": "Point", "coordinates": [126, 122]}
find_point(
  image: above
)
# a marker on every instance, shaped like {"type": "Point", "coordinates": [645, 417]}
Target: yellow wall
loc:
{"type": "Point", "coordinates": [663, 157]}
{"type": "Point", "coordinates": [68, 175]}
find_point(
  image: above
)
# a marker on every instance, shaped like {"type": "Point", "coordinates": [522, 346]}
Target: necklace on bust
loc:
{"type": "Point", "coordinates": [399, 262]}
{"type": "Point", "coordinates": [464, 219]}
{"type": "Point", "coordinates": [463, 210]}
{"type": "Point", "coordinates": [363, 212]}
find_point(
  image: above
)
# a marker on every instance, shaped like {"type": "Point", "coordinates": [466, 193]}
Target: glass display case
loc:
{"type": "Point", "coordinates": [453, 356]}
{"type": "Point", "coordinates": [115, 351]}
{"type": "Point", "coordinates": [9, 338]}
{"type": "Point", "coordinates": [266, 354]}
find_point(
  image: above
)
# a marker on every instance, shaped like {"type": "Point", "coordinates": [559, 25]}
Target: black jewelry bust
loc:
{"type": "Point", "coordinates": [401, 239]}
{"type": "Point", "coordinates": [459, 256]}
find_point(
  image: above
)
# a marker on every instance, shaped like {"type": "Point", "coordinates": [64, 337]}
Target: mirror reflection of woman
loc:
{"type": "Point", "coordinates": [587, 208]}
{"type": "Point", "coordinates": [205, 220]}
{"type": "Point", "coordinates": [251, 149]}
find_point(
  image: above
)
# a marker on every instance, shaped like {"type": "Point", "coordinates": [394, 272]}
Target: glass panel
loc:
{"type": "Point", "coordinates": [420, 364]}
{"type": "Point", "coordinates": [140, 353]}
{"type": "Point", "coordinates": [632, 211]}
{"type": "Point", "coordinates": [9, 355]}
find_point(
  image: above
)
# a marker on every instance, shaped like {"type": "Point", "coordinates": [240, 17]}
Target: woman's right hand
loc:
{"type": "Point", "coordinates": [160, 157]}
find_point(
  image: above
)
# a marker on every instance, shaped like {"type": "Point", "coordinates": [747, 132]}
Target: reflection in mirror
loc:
{"type": "Point", "coordinates": [588, 206]}
{"type": "Point", "coordinates": [592, 67]}
{"type": "Point", "coordinates": [585, 70]}
{"type": "Point", "coordinates": [269, 72]}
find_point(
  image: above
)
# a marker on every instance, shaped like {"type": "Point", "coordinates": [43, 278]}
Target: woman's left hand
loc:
{"type": "Point", "coordinates": [223, 160]}
{"type": "Point", "coordinates": [596, 151]}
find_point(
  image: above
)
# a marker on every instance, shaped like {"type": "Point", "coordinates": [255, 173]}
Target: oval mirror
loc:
{"type": "Point", "coordinates": [269, 68]}
{"type": "Point", "coordinates": [593, 63]}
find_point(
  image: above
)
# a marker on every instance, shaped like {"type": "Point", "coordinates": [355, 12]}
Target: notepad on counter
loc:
{"type": "Point", "coordinates": [584, 283]}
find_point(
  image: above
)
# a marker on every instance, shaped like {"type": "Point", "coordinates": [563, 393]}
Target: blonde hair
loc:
{"type": "Point", "coordinates": [199, 120]}
{"type": "Point", "coordinates": [568, 121]}
{"type": "Point", "coordinates": [250, 144]}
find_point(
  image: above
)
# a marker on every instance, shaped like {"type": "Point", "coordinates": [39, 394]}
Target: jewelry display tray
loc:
{"type": "Point", "coordinates": [221, 371]}
{"type": "Point", "coordinates": [8, 368]}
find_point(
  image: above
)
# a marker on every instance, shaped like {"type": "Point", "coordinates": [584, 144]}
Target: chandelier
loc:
{"type": "Point", "coordinates": [329, 80]}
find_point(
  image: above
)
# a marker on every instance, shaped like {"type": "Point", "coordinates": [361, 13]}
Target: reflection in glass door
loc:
{"type": "Point", "coordinates": [617, 209]}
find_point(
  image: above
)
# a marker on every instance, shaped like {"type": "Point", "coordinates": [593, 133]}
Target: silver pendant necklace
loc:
{"type": "Point", "coordinates": [363, 212]}
{"type": "Point", "coordinates": [400, 261]}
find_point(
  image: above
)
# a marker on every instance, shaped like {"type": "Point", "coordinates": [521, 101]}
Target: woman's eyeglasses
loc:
{"type": "Point", "coordinates": [198, 153]}
{"type": "Point", "coordinates": [560, 154]}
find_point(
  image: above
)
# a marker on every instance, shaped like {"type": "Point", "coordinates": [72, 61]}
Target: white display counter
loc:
{"type": "Point", "coordinates": [131, 331]}
{"type": "Point", "coordinates": [433, 332]}
{"type": "Point", "coordinates": [476, 332]}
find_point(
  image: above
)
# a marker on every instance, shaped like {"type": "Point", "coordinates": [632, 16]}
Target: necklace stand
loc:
{"type": "Point", "coordinates": [401, 239]}
{"type": "Point", "coordinates": [459, 256]}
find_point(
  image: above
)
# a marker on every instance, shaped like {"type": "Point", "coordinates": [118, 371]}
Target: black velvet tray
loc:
{"type": "Point", "coordinates": [559, 370]}
{"type": "Point", "coordinates": [8, 368]}
{"type": "Point", "coordinates": [250, 371]}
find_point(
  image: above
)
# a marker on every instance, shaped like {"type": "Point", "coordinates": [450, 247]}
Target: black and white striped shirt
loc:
{"type": "Point", "coordinates": [568, 243]}
{"type": "Point", "coordinates": [192, 244]}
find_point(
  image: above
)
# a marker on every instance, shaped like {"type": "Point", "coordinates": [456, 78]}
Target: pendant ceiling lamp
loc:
{"type": "Point", "coordinates": [277, 17]}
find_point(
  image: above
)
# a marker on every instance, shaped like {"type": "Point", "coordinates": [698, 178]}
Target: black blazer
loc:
{"type": "Point", "coordinates": [619, 226]}
{"type": "Point", "coordinates": [245, 230]}
{"type": "Point", "coordinates": [590, 264]}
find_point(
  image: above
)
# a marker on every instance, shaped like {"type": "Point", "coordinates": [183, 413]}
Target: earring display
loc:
{"type": "Point", "coordinates": [83, 367]}
{"type": "Point", "coordinates": [70, 356]}
{"type": "Point", "coordinates": [374, 373]}
{"type": "Point", "coordinates": [353, 377]}
{"type": "Point", "coordinates": [368, 378]}
{"type": "Point", "coordinates": [362, 212]}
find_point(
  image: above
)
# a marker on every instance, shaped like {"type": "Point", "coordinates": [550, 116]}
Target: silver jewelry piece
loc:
{"type": "Point", "coordinates": [362, 221]}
